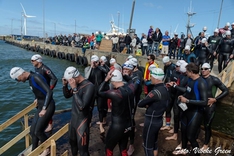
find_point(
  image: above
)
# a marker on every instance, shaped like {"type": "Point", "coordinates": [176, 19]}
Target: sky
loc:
{"type": "Point", "coordinates": [87, 16]}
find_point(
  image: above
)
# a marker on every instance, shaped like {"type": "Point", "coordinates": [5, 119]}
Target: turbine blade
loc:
{"type": "Point", "coordinates": [28, 16]}
{"type": "Point", "coordinates": [23, 9]}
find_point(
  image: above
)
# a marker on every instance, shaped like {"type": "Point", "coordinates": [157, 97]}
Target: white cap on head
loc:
{"type": "Point", "coordinates": [166, 59]}
{"type": "Point", "coordinates": [216, 30]}
{"type": "Point", "coordinates": [16, 72]}
{"type": "Point", "coordinates": [206, 65]}
{"type": "Point", "coordinates": [128, 65]}
{"type": "Point", "coordinates": [187, 47]}
{"type": "Point", "coordinates": [151, 67]}
{"type": "Point", "coordinates": [178, 63]}
{"type": "Point", "coordinates": [233, 23]}
{"type": "Point", "coordinates": [157, 73]}
{"type": "Point", "coordinates": [94, 58]}
{"type": "Point", "coordinates": [176, 34]}
{"type": "Point", "coordinates": [204, 40]}
{"type": "Point", "coordinates": [103, 58]}
{"type": "Point", "coordinates": [129, 57]}
{"type": "Point", "coordinates": [112, 60]}
{"type": "Point", "coordinates": [133, 61]}
{"type": "Point", "coordinates": [117, 76]}
{"type": "Point", "coordinates": [71, 72]}
{"type": "Point", "coordinates": [228, 32]}
{"type": "Point", "coordinates": [183, 67]}
{"type": "Point", "coordinates": [37, 58]}
{"type": "Point", "coordinates": [227, 24]}
{"type": "Point", "coordinates": [204, 28]}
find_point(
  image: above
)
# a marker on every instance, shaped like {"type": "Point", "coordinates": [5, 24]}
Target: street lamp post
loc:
{"type": "Point", "coordinates": [130, 24]}
{"type": "Point", "coordinates": [12, 26]}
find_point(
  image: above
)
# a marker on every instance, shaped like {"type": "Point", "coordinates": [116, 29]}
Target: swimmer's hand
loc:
{"type": "Point", "coordinates": [109, 75]}
{"type": "Point", "coordinates": [42, 113]}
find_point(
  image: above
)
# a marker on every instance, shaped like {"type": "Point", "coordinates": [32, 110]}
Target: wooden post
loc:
{"type": "Point", "coordinates": [53, 148]}
{"type": "Point", "coordinates": [25, 127]}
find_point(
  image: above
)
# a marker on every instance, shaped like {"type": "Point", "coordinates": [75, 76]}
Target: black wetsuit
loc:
{"type": "Point", "coordinates": [80, 117]}
{"type": "Point", "coordinates": [203, 54]}
{"type": "Point", "coordinates": [122, 99]}
{"type": "Point", "coordinates": [212, 84]}
{"type": "Point", "coordinates": [196, 92]}
{"type": "Point", "coordinates": [181, 82]}
{"type": "Point", "coordinates": [156, 102]}
{"type": "Point", "coordinates": [137, 79]}
{"type": "Point", "coordinates": [48, 75]}
{"type": "Point", "coordinates": [214, 42]}
{"type": "Point", "coordinates": [225, 50]}
{"type": "Point", "coordinates": [44, 96]}
{"type": "Point", "coordinates": [97, 76]}
{"type": "Point", "coordinates": [168, 70]}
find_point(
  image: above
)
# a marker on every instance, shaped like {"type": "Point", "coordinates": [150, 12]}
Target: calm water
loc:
{"type": "Point", "coordinates": [16, 96]}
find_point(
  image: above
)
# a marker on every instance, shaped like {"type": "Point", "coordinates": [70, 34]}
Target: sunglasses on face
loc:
{"type": "Point", "coordinates": [177, 66]}
{"type": "Point", "coordinates": [16, 80]}
{"type": "Point", "coordinates": [204, 68]}
{"type": "Point", "coordinates": [148, 58]}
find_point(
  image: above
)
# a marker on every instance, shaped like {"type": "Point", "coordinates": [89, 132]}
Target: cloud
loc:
{"type": "Point", "coordinates": [149, 5]}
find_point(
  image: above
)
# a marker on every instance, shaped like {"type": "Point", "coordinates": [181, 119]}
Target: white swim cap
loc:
{"type": "Point", "coordinates": [128, 65]}
{"type": "Point", "coordinates": [103, 58]}
{"type": "Point", "coordinates": [204, 40]}
{"type": "Point", "coordinates": [112, 60]}
{"type": "Point", "coordinates": [227, 24]}
{"type": "Point", "coordinates": [129, 57]}
{"type": "Point", "coordinates": [206, 65]}
{"type": "Point", "coordinates": [37, 58]}
{"type": "Point", "coordinates": [71, 72]}
{"type": "Point", "coordinates": [178, 63]}
{"type": "Point", "coordinates": [133, 61]}
{"type": "Point", "coordinates": [183, 67]}
{"type": "Point", "coordinates": [16, 72]}
{"type": "Point", "coordinates": [151, 67]}
{"type": "Point", "coordinates": [187, 47]}
{"type": "Point", "coordinates": [216, 30]}
{"type": "Point", "coordinates": [117, 76]}
{"type": "Point", "coordinates": [157, 73]}
{"type": "Point", "coordinates": [166, 59]}
{"type": "Point", "coordinates": [94, 58]}
{"type": "Point", "coordinates": [228, 32]}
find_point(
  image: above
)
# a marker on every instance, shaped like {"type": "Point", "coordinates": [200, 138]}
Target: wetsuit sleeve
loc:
{"type": "Point", "coordinates": [202, 86]}
{"type": "Point", "coordinates": [222, 87]}
{"type": "Point", "coordinates": [86, 99]}
{"type": "Point", "coordinates": [46, 88]}
{"type": "Point", "coordinates": [149, 99]}
{"type": "Point", "coordinates": [102, 87]}
{"type": "Point", "coordinates": [53, 78]}
{"type": "Point", "coordinates": [67, 92]}
{"type": "Point", "coordinates": [103, 69]}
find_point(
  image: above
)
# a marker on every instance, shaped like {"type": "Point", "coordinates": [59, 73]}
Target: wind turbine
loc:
{"type": "Point", "coordinates": [25, 19]}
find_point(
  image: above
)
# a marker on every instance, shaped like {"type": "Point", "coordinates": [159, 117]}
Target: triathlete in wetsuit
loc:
{"type": "Point", "coordinates": [214, 42]}
{"type": "Point", "coordinates": [155, 103]}
{"type": "Point", "coordinates": [45, 103]}
{"type": "Point", "coordinates": [130, 71]}
{"type": "Point", "coordinates": [122, 98]}
{"type": "Point", "coordinates": [82, 91]}
{"type": "Point", "coordinates": [212, 84]}
{"type": "Point", "coordinates": [169, 67]}
{"type": "Point", "coordinates": [188, 55]}
{"type": "Point", "coordinates": [226, 51]}
{"type": "Point", "coordinates": [45, 71]}
{"type": "Point", "coordinates": [203, 52]}
{"type": "Point", "coordinates": [96, 75]}
{"type": "Point", "coordinates": [195, 98]}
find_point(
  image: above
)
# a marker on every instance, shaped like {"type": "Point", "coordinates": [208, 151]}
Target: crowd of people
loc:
{"type": "Point", "coordinates": [187, 87]}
